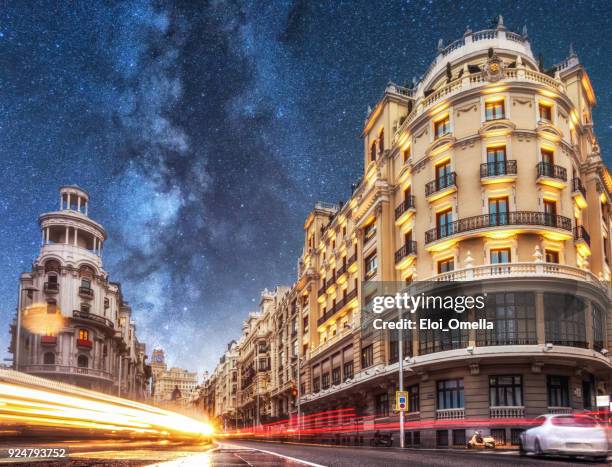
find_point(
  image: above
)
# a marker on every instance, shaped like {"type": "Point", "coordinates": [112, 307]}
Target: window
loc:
{"type": "Point", "coordinates": [599, 326]}
{"type": "Point", "coordinates": [513, 317]}
{"type": "Point", "coordinates": [413, 398]}
{"type": "Point", "coordinates": [459, 437]}
{"type": "Point", "coordinates": [450, 394]}
{"type": "Point", "coordinates": [325, 381]}
{"type": "Point", "coordinates": [500, 256]}
{"type": "Point", "coordinates": [446, 265]}
{"type": "Point", "coordinates": [316, 384]}
{"type": "Point", "coordinates": [82, 361]}
{"type": "Point", "coordinates": [498, 211]}
{"type": "Point", "coordinates": [85, 307]}
{"type": "Point", "coordinates": [86, 283]}
{"type": "Point", "coordinates": [550, 213]}
{"type": "Point", "coordinates": [444, 223]}
{"type": "Point", "coordinates": [51, 306]}
{"type": "Point", "coordinates": [545, 112]}
{"type": "Point", "coordinates": [348, 370]}
{"type": "Point", "coordinates": [496, 161]}
{"type": "Point", "coordinates": [367, 356]}
{"type": "Point", "coordinates": [49, 358]}
{"type": "Point", "coordinates": [552, 256]}
{"type": "Point", "coordinates": [373, 151]}
{"type": "Point", "coordinates": [548, 158]}
{"type": "Point", "coordinates": [305, 323]}
{"type": "Point", "coordinates": [443, 175]}
{"type": "Point", "coordinates": [494, 110]}
{"type": "Point", "coordinates": [382, 405]}
{"type": "Point", "coordinates": [407, 153]}
{"type": "Point", "coordinates": [336, 376]}
{"type": "Point", "coordinates": [505, 391]}
{"type": "Point", "coordinates": [381, 140]}
{"type": "Point", "coordinates": [558, 391]}
{"type": "Point", "coordinates": [441, 437]}
{"type": "Point", "coordinates": [83, 334]}
{"type": "Point", "coordinates": [564, 316]}
{"type": "Point", "coordinates": [369, 231]}
{"type": "Point", "coordinates": [371, 265]}
{"type": "Point", "coordinates": [394, 344]}
{"type": "Point", "coordinates": [442, 127]}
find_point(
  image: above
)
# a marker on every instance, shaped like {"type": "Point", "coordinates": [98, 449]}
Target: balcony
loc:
{"type": "Point", "coordinates": [51, 287]}
{"type": "Point", "coordinates": [48, 340]}
{"type": "Point", "coordinates": [510, 411]}
{"type": "Point", "coordinates": [84, 343]}
{"type": "Point", "coordinates": [551, 175]}
{"type": "Point", "coordinates": [45, 370]}
{"type": "Point", "coordinates": [582, 240]}
{"type": "Point", "coordinates": [496, 221]}
{"type": "Point", "coordinates": [440, 187]}
{"type": "Point", "coordinates": [86, 292]}
{"type": "Point", "coordinates": [559, 410]}
{"type": "Point", "coordinates": [351, 264]}
{"type": "Point", "coordinates": [498, 172]}
{"type": "Point", "coordinates": [339, 305]}
{"type": "Point", "coordinates": [340, 273]}
{"type": "Point", "coordinates": [321, 290]}
{"type": "Point", "coordinates": [93, 318]}
{"type": "Point", "coordinates": [579, 193]}
{"type": "Point", "coordinates": [405, 255]}
{"type": "Point", "coordinates": [450, 414]}
{"type": "Point", "coordinates": [404, 210]}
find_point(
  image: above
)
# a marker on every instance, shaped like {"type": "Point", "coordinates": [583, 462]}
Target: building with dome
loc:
{"type": "Point", "coordinates": [485, 172]}
{"type": "Point", "coordinates": [73, 324]}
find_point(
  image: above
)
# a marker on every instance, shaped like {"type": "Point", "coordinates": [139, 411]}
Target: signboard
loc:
{"type": "Point", "coordinates": [603, 401]}
{"type": "Point", "coordinates": [401, 401]}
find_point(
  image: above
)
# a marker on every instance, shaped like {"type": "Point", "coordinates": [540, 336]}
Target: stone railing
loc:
{"type": "Point", "coordinates": [471, 81]}
{"type": "Point", "coordinates": [64, 369]}
{"type": "Point", "coordinates": [559, 410]}
{"type": "Point", "coordinates": [450, 414]}
{"type": "Point", "coordinates": [516, 411]}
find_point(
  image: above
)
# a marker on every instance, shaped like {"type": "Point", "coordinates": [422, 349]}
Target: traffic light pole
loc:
{"type": "Point", "coordinates": [400, 345]}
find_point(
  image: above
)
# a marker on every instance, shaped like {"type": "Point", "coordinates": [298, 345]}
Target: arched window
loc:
{"type": "Point", "coordinates": [49, 358]}
{"type": "Point", "coordinates": [82, 361]}
{"type": "Point", "coordinates": [83, 334]}
{"type": "Point", "coordinates": [52, 266]}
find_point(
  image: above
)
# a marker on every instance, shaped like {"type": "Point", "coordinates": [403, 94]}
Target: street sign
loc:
{"type": "Point", "coordinates": [401, 401]}
{"type": "Point", "coordinates": [603, 401]}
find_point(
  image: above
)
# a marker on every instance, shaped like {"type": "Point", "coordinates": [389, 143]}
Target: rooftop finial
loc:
{"type": "Point", "coordinates": [440, 45]}
{"type": "Point", "coordinates": [525, 31]}
{"type": "Point", "coordinates": [500, 22]}
{"type": "Point", "coordinates": [572, 53]}
{"type": "Point", "coordinates": [468, 31]}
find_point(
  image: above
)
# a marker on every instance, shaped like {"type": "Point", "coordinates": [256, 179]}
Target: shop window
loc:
{"type": "Point", "coordinates": [49, 358]}
{"type": "Point", "coordinates": [382, 405]}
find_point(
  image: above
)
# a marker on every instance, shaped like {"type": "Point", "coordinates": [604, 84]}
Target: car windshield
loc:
{"type": "Point", "coordinates": [574, 421]}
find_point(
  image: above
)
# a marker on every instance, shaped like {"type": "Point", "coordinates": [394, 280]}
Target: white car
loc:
{"type": "Point", "coordinates": [567, 435]}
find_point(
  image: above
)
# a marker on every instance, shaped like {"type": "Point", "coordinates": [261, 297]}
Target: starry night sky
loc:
{"type": "Point", "coordinates": [205, 131]}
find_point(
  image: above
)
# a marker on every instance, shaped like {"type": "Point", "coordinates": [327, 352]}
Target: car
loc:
{"type": "Point", "coordinates": [566, 435]}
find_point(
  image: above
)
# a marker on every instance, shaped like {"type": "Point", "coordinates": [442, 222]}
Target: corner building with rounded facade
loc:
{"type": "Point", "coordinates": [74, 325]}
{"type": "Point", "coordinates": [487, 169]}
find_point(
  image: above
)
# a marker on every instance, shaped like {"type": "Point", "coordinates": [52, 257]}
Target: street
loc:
{"type": "Point", "coordinates": [255, 453]}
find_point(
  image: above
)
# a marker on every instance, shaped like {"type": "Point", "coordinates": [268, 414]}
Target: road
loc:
{"type": "Point", "coordinates": [252, 453]}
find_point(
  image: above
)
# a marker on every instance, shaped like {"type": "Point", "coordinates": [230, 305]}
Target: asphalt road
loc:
{"type": "Point", "coordinates": [337, 456]}
{"type": "Point", "coordinates": [252, 453]}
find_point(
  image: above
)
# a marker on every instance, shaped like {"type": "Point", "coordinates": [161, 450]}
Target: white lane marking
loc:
{"type": "Point", "coordinates": [294, 459]}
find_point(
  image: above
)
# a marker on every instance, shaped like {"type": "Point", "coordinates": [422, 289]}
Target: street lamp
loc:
{"type": "Point", "coordinates": [30, 291]}
{"type": "Point", "coordinates": [299, 393]}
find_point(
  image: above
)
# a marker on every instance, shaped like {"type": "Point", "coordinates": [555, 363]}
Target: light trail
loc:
{"type": "Point", "coordinates": [30, 402]}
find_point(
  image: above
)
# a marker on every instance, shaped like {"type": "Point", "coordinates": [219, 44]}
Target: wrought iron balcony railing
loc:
{"type": "Point", "coordinates": [580, 233]}
{"type": "Point", "coordinates": [545, 169]}
{"type": "Point", "coordinates": [407, 204]}
{"type": "Point", "coordinates": [51, 287]}
{"type": "Point", "coordinates": [577, 186]}
{"type": "Point", "coordinates": [495, 169]}
{"type": "Point", "coordinates": [409, 248]}
{"type": "Point", "coordinates": [494, 220]}
{"type": "Point", "coordinates": [441, 183]}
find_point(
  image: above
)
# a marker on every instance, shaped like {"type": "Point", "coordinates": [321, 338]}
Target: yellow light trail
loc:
{"type": "Point", "coordinates": [28, 401]}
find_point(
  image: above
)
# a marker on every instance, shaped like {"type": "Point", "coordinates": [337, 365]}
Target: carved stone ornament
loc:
{"type": "Point", "coordinates": [494, 69]}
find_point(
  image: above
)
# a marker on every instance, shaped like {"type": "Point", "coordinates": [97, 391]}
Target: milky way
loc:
{"type": "Point", "coordinates": [205, 131]}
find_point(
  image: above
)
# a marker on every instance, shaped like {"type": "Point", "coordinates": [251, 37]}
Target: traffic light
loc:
{"type": "Point", "coordinates": [294, 391]}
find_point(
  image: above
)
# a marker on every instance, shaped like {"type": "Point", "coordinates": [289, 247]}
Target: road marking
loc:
{"type": "Point", "coordinates": [294, 459]}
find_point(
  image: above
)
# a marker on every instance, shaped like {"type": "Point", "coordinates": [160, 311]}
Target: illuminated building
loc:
{"type": "Point", "coordinates": [487, 169]}
{"type": "Point", "coordinates": [74, 325]}
{"type": "Point", "coordinates": [171, 386]}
